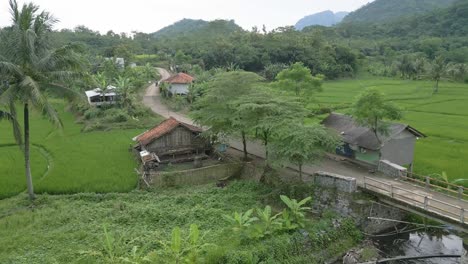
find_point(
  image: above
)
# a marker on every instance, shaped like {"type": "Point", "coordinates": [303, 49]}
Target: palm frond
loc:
{"type": "Point", "coordinates": [39, 101]}
{"type": "Point", "coordinates": [63, 58]}
{"type": "Point", "coordinates": [8, 68]}
{"type": "Point", "coordinates": [65, 91]}
{"type": "Point", "coordinates": [9, 95]}
{"type": "Point", "coordinates": [11, 117]}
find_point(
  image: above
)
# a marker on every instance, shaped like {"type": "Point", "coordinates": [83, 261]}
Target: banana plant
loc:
{"type": "Point", "coordinates": [268, 222]}
{"type": "Point", "coordinates": [296, 209]}
{"type": "Point", "coordinates": [181, 250]}
{"type": "Point", "coordinates": [240, 221]}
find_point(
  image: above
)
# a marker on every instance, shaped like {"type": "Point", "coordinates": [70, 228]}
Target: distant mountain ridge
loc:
{"type": "Point", "coordinates": [190, 27]}
{"type": "Point", "coordinates": [388, 10]}
{"type": "Point", "coordinates": [326, 18]}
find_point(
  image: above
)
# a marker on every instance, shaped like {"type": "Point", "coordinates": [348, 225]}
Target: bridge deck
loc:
{"type": "Point", "coordinates": [438, 204]}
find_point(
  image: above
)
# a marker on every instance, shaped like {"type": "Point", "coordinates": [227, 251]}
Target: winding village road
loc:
{"type": "Point", "coordinates": [152, 100]}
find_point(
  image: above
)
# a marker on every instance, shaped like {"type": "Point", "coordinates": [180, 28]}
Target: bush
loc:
{"type": "Point", "coordinates": [92, 113]}
{"type": "Point", "coordinates": [116, 115]}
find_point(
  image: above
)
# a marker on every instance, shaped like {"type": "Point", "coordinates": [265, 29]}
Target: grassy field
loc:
{"type": "Point", "coordinates": [80, 162]}
{"type": "Point", "coordinates": [443, 117]}
{"type": "Point", "coordinates": [70, 228]}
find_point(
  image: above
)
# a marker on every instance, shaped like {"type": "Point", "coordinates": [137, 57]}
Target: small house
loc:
{"type": "Point", "coordinates": [179, 83]}
{"type": "Point", "coordinates": [97, 98]}
{"type": "Point", "coordinates": [361, 144]}
{"type": "Point", "coordinates": [173, 141]}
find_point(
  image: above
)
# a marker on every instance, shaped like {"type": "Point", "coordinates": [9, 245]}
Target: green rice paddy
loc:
{"type": "Point", "coordinates": [79, 162]}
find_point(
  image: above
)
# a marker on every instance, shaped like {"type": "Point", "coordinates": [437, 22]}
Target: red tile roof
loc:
{"type": "Point", "coordinates": [163, 128]}
{"type": "Point", "coordinates": [180, 78]}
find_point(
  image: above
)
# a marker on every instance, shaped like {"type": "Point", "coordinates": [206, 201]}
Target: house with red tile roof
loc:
{"type": "Point", "coordinates": [179, 83]}
{"type": "Point", "coordinates": [173, 141]}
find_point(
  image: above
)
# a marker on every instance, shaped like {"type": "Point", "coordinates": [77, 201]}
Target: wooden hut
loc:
{"type": "Point", "coordinates": [174, 141]}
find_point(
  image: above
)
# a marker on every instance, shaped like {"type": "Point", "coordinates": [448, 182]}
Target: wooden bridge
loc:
{"type": "Point", "coordinates": [429, 200]}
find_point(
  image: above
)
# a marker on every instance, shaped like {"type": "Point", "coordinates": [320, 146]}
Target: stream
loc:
{"type": "Point", "coordinates": [419, 243]}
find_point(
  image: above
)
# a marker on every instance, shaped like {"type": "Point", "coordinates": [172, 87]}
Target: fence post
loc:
{"type": "Point", "coordinates": [391, 190]}
{"type": "Point", "coordinates": [462, 215]}
{"type": "Point", "coordinates": [426, 202]}
{"type": "Point", "coordinates": [428, 182]}
{"type": "Point", "coordinates": [460, 192]}
{"type": "Point", "coordinates": [365, 185]}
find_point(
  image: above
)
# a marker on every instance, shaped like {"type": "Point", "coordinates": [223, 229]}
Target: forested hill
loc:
{"type": "Point", "coordinates": [448, 22]}
{"type": "Point", "coordinates": [191, 27]}
{"type": "Point", "coordinates": [325, 18]}
{"type": "Point", "coordinates": [387, 10]}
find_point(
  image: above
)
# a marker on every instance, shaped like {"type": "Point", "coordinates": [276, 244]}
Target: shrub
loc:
{"type": "Point", "coordinates": [92, 113]}
{"type": "Point", "coordinates": [116, 115]}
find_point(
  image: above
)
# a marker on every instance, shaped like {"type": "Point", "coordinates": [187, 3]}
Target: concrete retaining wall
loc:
{"type": "Point", "coordinates": [331, 180]}
{"type": "Point", "coordinates": [194, 176]}
{"type": "Point", "coordinates": [392, 169]}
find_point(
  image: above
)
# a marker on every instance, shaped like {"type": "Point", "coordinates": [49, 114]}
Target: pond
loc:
{"type": "Point", "coordinates": [418, 243]}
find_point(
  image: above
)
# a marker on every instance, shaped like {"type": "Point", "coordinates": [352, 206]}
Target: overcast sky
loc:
{"type": "Point", "coordinates": [152, 15]}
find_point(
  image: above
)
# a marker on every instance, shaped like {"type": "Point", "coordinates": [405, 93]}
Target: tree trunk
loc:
{"type": "Point", "coordinates": [300, 172]}
{"type": "Point", "coordinates": [244, 144]}
{"type": "Point", "coordinates": [27, 163]}
{"type": "Point", "coordinates": [436, 88]}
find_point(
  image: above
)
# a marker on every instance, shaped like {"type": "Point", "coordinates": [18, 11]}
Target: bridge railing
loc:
{"type": "Point", "coordinates": [438, 185]}
{"type": "Point", "coordinates": [425, 202]}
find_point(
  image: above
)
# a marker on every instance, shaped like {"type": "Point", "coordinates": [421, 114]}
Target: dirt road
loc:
{"type": "Point", "coordinates": [152, 99]}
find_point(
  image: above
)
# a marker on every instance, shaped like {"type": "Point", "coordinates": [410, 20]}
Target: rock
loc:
{"type": "Point", "coordinates": [352, 257]}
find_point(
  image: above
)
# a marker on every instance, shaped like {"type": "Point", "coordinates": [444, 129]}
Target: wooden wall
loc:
{"type": "Point", "coordinates": [179, 138]}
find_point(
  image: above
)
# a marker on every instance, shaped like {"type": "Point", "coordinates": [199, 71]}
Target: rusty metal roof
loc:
{"type": "Point", "coordinates": [181, 78]}
{"type": "Point", "coordinates": [163, 128]}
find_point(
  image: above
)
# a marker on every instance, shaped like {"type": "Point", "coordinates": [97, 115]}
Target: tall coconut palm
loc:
{"type": "Point", "coordinates": [32, 66]}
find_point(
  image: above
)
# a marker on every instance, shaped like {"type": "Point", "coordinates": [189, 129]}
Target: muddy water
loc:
{"type": "Point", "coordinates": [422, 243]}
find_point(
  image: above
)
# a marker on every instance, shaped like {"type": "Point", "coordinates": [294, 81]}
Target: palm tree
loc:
{"type": "Point", "coordinates": [103, 84]}
{"type": "Point", "coordinates": [438, 70]}
{"type": "Point", "coordinates": [125, 92]}
{"type": "Point", "coordinates": [31, 66]}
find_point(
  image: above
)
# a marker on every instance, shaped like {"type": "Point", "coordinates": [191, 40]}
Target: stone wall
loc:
{"type": "Point", "coordinates": [331, 180]}
{"type": "Point", "coordinates": [194, 176]}
{"type": "Point", "coordinates": [340, 194]}
{"type": "Point", "coordinates": [391, 169]}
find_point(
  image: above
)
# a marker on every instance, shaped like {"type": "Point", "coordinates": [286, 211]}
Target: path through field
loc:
{"type": "Point", "coordinates": [152, 99]}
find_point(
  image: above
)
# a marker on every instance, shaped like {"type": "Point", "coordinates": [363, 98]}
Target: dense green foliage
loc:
{"type": "Point", "coordinates": [118, 228]}
{"type": "Point", "coordinates": [199, 28]}
{"type": "Point", "coordinates": [371, 110]}
{"type": "Point", "coordinates": [219, 43]}
{"type": "Point", "coordinates": [385, 10]}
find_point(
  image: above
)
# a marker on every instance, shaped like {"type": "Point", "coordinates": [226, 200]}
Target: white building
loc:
{"type": "Point", "coordinates": [179, 83]}
{"type": "Point", "coordinates": [96, 98]}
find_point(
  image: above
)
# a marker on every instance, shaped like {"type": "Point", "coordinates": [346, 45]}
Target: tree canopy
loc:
{"type": "Point", "coordinates": [372, 110]}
